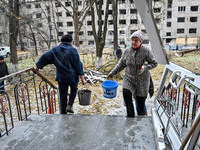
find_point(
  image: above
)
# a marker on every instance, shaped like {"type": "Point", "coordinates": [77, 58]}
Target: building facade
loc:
{"type": "Point", "coordinates": [181, 24]}
{"type": "Point", "coordinates": [177, 21]}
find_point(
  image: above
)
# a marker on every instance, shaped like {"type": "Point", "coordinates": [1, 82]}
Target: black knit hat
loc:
{"type": "Point", "coordinates": [66, 38]}
{"type": "Point", "coordinates": [1, 58]}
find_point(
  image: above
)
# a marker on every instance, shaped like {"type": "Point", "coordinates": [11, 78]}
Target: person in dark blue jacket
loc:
{"type": "Point", "coordinates": [119, 52]}
{"type": "Point", "coordinates": [3, 72]}
{"type": "Point", "coordinates": [68, 69]}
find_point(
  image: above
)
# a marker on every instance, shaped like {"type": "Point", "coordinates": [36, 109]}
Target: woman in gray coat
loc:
{"type": "Point", "coordinates": [137, 60]}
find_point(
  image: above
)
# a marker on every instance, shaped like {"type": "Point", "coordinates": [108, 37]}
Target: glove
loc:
{"type": "Point", "coordinates": [109, 75]}
{"type": "Point", "coordinates": [141, 70]}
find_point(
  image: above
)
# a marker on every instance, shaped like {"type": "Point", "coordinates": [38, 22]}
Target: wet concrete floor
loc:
{"type": "Point", "coordinates": [81, 132]}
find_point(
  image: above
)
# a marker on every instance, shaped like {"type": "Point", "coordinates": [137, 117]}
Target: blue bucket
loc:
{"type": "Point", "coordinates": [109, 89]}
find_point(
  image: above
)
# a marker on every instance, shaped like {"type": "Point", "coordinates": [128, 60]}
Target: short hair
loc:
{"type": "Point", "coordinates": [66, 38]}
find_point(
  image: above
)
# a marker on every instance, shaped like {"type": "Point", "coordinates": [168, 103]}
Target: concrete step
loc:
{"type": "Point", "coordinates": [85, 132]}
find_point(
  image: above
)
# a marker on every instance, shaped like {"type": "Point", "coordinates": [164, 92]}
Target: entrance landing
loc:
{"type": "Point", "coordinates": [85, 132]}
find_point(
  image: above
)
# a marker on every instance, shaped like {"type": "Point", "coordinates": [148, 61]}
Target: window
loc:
{"type": "Point", "coordinates": [192, 30]}
{"type": "Point", "coordinates": [110, 32]}
{"type": "Point", "coordinates": [133, 21]}
{"type": "Point", "coordinates": [79, 3]}
{"type": "Point", "coordinates": [32, 43]}
{"type": "Point", "coordinates": [122, 32]}
{"type": "Point", "coordinates": [59, 24]}
{"type": "Point", "coordinates": [131, 31]}
{"type": "Point", "coordinates": [24, 44]}
{"type": "Point", "coordinates": [89, 23]}
{"type": "Point", "coordinates": [122, 11]}
{"type": "Point", "coordinates": [70, 33]}
{"type": "Point", "coordinates": [156, 10]}
{"type": "Point", "coordinates": [39, 25]}
{"type": "Point", "coordinates": [181, 19]}
{"type": "Point", "coordinates": [181, 8]}
{"type": "Point", "coordinates": [57, 4]}
{"type": "Point", "coordinates": [110, 22]}
{"type": "Point", "coordinates": [81, 42]}
{"type": "Point", "coordinates": [145, 41]}
{"type": "Point", "coordinates": [69, 24]}
{"type": "Point", "coordinates": [39, 15]}
{"type": "Point", "coordinates": [122, 1]}
{"type": "Point", "coordinates": [180, 30]}
{"type": "Point", "coordinates": [169, 14]}
{"type": "Point", "coordinates": [59, 14]}
{"type": "Point", "coordinates": [37, 6]}
{"type": "Point", "coordinates": [67, 4]}
{"type": "Point", "coordinates": [144, 31]}
{"type": "Point", "coordinates": [169, 4]}
{"type": "Point", "coordinates": [158, 20]}
{"type": "Point", "coordinates": [68, 14]}
{"type": "Point", "coordinates": [110, 12]}
{"type": "Point", "coordinates": [80, 33]}
{"type": "Point", "coordinates": [133, 11]}
{"type": "Point", "coordinates": [89, 13]}
{"type": "Point", "coordinates": [101, 22]}
{"type": "Point", "coordinates": [60, 33]}
{"type": "Point", "coordinates": [122, 21]}
{"type": "Point", "coordinates": [121, 42]}
{"type": "Point", "coordinates": [90, 33]}
{"type": "Point", "coordinates": [28, 6]}
{"type": "Point", "coordinates": [131, 1]}
{"type": "Point", "coordinates": [193, 19]}
{"type": "Point", "coordinates": [169, 24]}
{"type": "Point", "coordinates": [102, 12]}
{"type": "Point", "coordinates": [168, 33]}
{"type": "Point", "coordinates": [90, 42]}
{"type": "Point", "coordinates": [194, 8]}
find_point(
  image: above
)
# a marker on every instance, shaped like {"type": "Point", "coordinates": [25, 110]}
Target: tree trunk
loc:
{"type": "Point", "coordinates": [76, 22]}
{"type": "Point", "coordinates": [100, 35]}
{"type": "Point", "coordinates": [115, 10]}
{"type": "Point", "coordinates": [13, 32]}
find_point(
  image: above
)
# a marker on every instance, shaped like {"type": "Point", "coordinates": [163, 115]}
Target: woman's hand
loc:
{"type": "Point", "coordinates": [109, 75]}
{"type": "Point", "coordinates": [141, 70]}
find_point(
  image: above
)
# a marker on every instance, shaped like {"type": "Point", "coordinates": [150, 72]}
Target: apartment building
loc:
{"type": "Point", "coordinates": [181, 23]}
{"type": "Point", "coordinates": [177, 22]}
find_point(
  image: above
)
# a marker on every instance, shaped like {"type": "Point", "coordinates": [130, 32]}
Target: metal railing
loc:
{"type": "Point", "coordinates": [177, 102]}
{"type": "Point", "coordinates": [24, 93]}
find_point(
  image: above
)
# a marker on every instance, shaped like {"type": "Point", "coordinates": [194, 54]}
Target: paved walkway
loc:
{"type": "Point", "coordinates": [81, 132]}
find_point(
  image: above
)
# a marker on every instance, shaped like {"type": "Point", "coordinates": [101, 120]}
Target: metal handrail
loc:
{"type": "Point", "coordinates": [25, 97]}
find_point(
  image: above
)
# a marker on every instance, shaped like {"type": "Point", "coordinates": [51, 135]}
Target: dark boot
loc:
{"type": "Point", "coordinates": [69, 109]}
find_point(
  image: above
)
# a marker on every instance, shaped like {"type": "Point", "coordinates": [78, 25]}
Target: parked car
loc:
{"type": "Point", "coordinates": [5, 51]}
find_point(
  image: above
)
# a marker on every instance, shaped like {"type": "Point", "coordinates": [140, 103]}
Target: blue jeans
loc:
{"type": "Point", "coordinates": [140, 105]}
{"type": "Point", "coordinates": [145, 108]}
{"type": "Point", "coordinates": [63, 89]}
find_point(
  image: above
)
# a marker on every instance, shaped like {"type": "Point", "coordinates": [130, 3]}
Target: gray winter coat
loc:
{"type": "Point", "coordinates": [133, 60]}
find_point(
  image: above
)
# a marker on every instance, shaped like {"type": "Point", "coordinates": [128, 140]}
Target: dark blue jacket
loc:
{"type": "Point", "coordinates": [3, 69]}
{"type": "Point", "coordinates": [66, 59]}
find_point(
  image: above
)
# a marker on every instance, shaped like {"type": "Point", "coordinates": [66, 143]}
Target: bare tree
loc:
{"type": "Point", "coordinates": [115, 13]}
{"type": "Point", "coordinates": [100, 33]}
{"type": "Point", "coordinates": [13, 33]}
{"type": "Point", "coordinates": [77, 15]}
